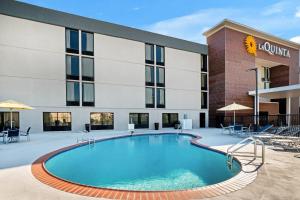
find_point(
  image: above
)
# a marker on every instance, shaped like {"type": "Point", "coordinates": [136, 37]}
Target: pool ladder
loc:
{"type": "Point", "coordinates": [247, 141]}
{"type": "Point", "coordinates": [90, 141]}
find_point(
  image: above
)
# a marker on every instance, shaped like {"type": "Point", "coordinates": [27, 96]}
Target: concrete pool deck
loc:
{"type": "Point", "coordinates": [279, 178]}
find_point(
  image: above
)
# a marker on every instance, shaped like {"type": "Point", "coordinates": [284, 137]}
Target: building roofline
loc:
{"type": "Point", "coordinates": [58, 18]}
{"type": "Point", "coordinates": [226, 23]}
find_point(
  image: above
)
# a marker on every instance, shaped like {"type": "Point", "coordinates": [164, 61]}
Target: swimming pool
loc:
{"type": "Point", "coordinates": [161, 162]}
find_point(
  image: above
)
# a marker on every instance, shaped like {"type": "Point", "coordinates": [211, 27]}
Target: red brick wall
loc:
{"type": "Point", "coordinates": [216, 52]}
{"type": "Point", "coordinates": [272, 108]}
{"type": "Point", "coordinates": [279, 76]}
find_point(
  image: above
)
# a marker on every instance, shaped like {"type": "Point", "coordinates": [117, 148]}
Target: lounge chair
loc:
{"type": "Point", "coordinates": [287, 144]}
{"type": "Point", "coordinates": [26, 134]}
{"type": "Point", "coordinates": [260, 131]}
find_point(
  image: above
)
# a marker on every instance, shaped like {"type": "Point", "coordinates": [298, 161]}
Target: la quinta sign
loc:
{"type": "Point", "coordinates": [274, 49]}
{"type": "Point", "coordinates": [252, 47]}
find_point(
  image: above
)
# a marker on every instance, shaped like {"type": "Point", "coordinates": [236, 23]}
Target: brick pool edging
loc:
{"type": "Point", "coordinates": [237, 182]}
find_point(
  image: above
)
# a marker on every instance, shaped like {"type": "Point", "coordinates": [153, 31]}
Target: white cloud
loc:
{"type": "Point", "coordinates": [136, 8]}
{"type": "Point", "coordinates": [297, 14]}
{"type": "Point", "coordinates": [296, 39]}
{"type": "Point", "coordinates": [191, 27]}
{"type": "Point", "coordinates": [274, 8]}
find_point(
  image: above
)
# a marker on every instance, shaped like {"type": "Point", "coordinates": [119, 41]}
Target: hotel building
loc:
{"type": "Point", "coordinates": [75, 71]}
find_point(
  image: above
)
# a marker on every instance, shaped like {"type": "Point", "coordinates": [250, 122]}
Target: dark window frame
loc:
{"type": "Point", "coordinates": [149, 61]}
{"type": "Point", "coordinates": [71, 50]}
{"type": "Point", "coordinates": [205, 87]}
{"type": "Point", "coordinates": [139, 125]}
{"type": "Point", "coordinates": [88, 103]}
{"type": "Point", "coordinates": [150, 83]}
{"type": "Point", "coordinates": [101, 126]}
{"type": "Point", "coordinates": [72, 103]}
{"type": "Point", "coordinates": [160, 63]}
{"type": "Point", "coordinates": [86, 78]}
{"type": "Point", "coordinates": [72, 77]}
{"type": "Point", "coordinates": [150, 105]}
{"type": "Point", "coordinates": [157, 103]}
{"type": "Point", "coordinates": [89, 53]}
{"type": "Point", "coordinates": [3, 126]}
{"type": "Point", "coordinates": [204, 62]}
{"type": "Point", "coordinates": [169, 124]}
{"type": "Point", "coordinates": [157, 83]}
{"type": "Point", "coordinates": [57, 128]}
{"type": "Point", "coordinates": [204, 106]}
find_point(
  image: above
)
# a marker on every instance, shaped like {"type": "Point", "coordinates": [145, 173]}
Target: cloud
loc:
{"type": "Point", "coordinates": [136, 8]}
{"type": "Point", "coordinates": [296, 39]}
{"type": "Point", "coordinates": [274, 8]}
{"type": "Point", "coordinates": [277, 19]}
{"type": "Point", "coordinates": [191, 27]}
{"type": "Point", "coordinates": [297, 14]}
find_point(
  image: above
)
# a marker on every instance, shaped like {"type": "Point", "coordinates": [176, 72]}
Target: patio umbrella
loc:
{"type": "Point", "coordinates": [234, 107]}
{"type": "Point", "coordinates": [14, 105]}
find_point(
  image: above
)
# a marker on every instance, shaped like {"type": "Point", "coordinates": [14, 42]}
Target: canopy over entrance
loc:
{"type": "Point", "coordinates": [278, 92]}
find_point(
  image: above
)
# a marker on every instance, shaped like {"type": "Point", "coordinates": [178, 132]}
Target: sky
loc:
{"type": "Point", "coordinates": [188, 19]}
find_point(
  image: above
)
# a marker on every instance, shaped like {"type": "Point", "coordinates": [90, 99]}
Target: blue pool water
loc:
{"type": "Point", "coordinates": [144, 163]}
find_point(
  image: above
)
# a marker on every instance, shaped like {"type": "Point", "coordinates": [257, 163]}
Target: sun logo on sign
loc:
{"type": "Point", "coordinates": [250, 45]}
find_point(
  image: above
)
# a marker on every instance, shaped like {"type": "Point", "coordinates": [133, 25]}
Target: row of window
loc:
{"type": "Point", "coordinates": [72, 42]}
{"type": "Point", "coordinates": [79, 68]}
{"type": "Point", "coordinates": [154, 76]}
{"type": "Point", "coordinates": [62, 121]}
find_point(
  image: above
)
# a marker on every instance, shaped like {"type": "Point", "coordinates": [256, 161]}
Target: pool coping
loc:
{"type": "Point", "coordinates": [235, 183]}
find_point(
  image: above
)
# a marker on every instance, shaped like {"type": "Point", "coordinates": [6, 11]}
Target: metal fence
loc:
{"type": "Point", "coordinates": [275, 120]}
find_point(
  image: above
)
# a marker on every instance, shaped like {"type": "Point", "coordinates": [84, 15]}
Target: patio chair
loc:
{"type": "Point", "coordinates": [260, 131]}
{"type": "Point", "coordinates": [228, 128]}
{"type": "Point", "coordinates": [12, 135]}
{"type": "Point", "coordinates": [26, 134]}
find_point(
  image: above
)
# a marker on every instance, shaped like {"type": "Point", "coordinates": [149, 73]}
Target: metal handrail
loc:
{"type": "Point", "coordinates": [230, 154]}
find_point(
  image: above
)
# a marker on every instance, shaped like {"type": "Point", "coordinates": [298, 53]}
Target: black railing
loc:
{"type": "Point", "coordinates": [246, 120]}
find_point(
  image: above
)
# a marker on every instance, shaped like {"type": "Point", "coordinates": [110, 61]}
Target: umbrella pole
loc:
{"type": "Point", "coordinates": [10, 118]}
{"type": "Point", "coordinates": [234, 118]}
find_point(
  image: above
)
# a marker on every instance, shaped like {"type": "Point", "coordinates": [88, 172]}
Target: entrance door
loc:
{"type": "Point", "coordinates": [263, 118]}
{"type": "Point", "coordinates": [202, 120]}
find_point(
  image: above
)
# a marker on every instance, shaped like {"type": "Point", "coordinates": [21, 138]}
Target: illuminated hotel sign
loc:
{"type": "Point", "coordinates": [271, 49]}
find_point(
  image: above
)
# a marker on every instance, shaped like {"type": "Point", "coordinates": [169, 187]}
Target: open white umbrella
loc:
{"type": "Point", "coordinates": [234, 107]}
{"type": "Point", "coordinates": [14, 105]}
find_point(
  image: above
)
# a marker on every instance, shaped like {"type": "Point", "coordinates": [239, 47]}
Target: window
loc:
{"type": "Point", "coordinates": [203, 81]}
{"type": "Point", "coordinates": [150, 97]}
{"type": "Point", "coordinates": [149, 75]}
{"type": "Point", "coordinates": [88, 94]}
{"type": "Point", "coordinates": [160, 97]}
{"type": "Point", "coordinates": [155, 76]}
{"type": "Point", "coordinates": [76, 86]}
{"type": "Point", "coordinates": [57, 121]}
{"type": "Point", "coordinates": [72, 41]}
{"type": "Point", "coordinates": [87, 43]}
{"type": "Point", "coordinates": [140, 120]}
{"type": "Point", "coordinates": [169, 119]}
{"type": "Point", "coordinates": [5, 120]}
{"type": "Point", "coordinates": [73, 93]}
{"type": "Point", "coordinates": [72, 63]}
{"type": "Point", "coordinates": [160, 76]}
{"type": "Point", "coordinates": [204, 63]}
{"type": "Point", "coordinates": [160, 55]}
{"type": "Point", "coordinates": [266, 78]}
{"type": "Point", "coordinates": [102, 120]}
{"type": "Point", "coordinates": [87, 69]}
{"type": "Point", "coordinates": [204, 100]}
{"type": "Point", "coordinates": [149, 49]}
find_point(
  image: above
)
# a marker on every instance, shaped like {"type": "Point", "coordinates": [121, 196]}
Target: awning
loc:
{"type": "Point", "coordinates": [278, 92]}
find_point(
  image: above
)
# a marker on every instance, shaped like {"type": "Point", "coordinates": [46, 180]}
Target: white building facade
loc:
{"type": "Point", "coordinates": [76, 71]}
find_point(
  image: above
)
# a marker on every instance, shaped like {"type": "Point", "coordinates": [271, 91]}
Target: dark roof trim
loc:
{"type": "Point", "coordinates": [40, 14]}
